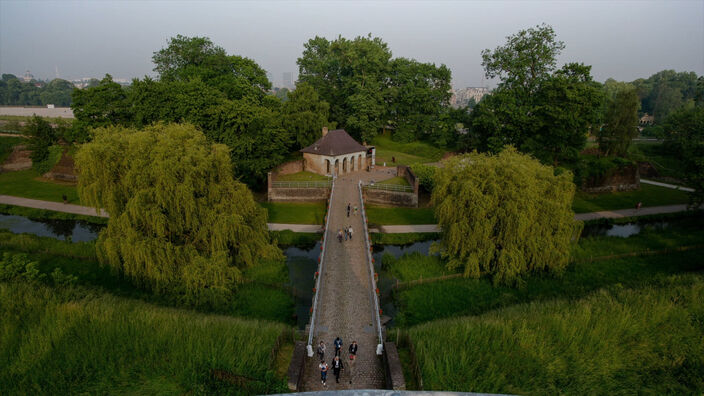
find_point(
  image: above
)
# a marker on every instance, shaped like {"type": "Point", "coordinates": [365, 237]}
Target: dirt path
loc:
{"type": "Point", "coordinates": [55, 206]}
{"type": "Point", "coordinates": [346, 306]}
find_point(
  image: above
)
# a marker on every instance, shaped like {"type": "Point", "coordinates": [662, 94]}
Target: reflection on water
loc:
{"type": "Point", "coordinates": [302, 264]}
{"type": "Point", "coordinates": [73, 230]}
{"type": "Point", "coordinates": [621, 230]}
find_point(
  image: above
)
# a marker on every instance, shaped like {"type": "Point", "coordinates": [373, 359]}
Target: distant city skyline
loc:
{"type": "Point", "coordinates": [624, 40]}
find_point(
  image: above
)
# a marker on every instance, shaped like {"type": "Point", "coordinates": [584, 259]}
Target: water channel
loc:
{"type": "Point", "coordinates": [301, 261]}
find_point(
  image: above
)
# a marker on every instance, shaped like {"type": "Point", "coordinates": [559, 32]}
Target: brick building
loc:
{"type": "Point", "coordinates": [337, 152]}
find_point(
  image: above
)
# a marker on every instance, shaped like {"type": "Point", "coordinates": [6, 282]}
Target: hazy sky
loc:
{"type": "Point", "coordinates": [620, 39]}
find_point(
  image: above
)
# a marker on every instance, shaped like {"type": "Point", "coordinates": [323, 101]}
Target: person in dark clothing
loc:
{"type": "Point", "coordinates": [353, 350]}
{"type": "Point", "coordinates": [338, 346]}
{"type": "Point", "coordinates": [336, 367]}
{"type": "Point", "coordinates": [321, 351]}
{"type": "Point", "coordinates": [349, 204]}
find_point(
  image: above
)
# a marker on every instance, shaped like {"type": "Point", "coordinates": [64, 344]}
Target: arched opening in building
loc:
{"type": "Point", "coordinates": [344, 165]}
{"type": "Point", "coordinates": [337, 167]}
{"type": "Point", "coordinates": [351, 164]}
{"type": "Point", "coordinates": [327, 166]}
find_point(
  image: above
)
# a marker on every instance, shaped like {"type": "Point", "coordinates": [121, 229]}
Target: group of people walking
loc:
{"type": "Point", "coordinates": [336, 364]}
{"type": "Point", "coordinates": [345, 234]}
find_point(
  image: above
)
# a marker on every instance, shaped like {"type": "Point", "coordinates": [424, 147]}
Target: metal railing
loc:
{"type": "Point", "coordinates": [377, 310]}
{"type": "Point", "coordinates": [302, 184]}
{"type": "Point", "coordinates": [389, 187]}
{"type": "Point", "coordinates": [318, 281]}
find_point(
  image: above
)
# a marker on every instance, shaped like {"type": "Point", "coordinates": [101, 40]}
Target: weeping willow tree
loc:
{"type": "Point", "coordinates": [179, 222]}
{"type": "Point", "coordinates": [504, 215]}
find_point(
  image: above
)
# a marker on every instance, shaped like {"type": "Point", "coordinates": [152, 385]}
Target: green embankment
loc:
{"type": "Point", "coordinates": [614, 341]}
{"type": "Point", "coordinates": [71, 340]}
{"type": "Point", "coordinates": [302, 176]}
{"type": "Point", "coordinates": [648, 195]}
{"type": "Point", "coordinates": [295, 213]}
{"type": "Point", "coordinates": [6, 145]}
{"type": "Point", "coordinates": [260, 297]}
{"type": "Point", "coordinates": [379, 215]}
{"type": "Point", "coordinates": [28, 184]}
{"type": "Point", "coordinates": [404, 153]}
{"type": "Point", "coordinates": [463, 296]}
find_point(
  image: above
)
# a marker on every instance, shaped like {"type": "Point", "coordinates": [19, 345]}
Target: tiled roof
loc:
{"type": "Point", "coordinates": [334, 143]}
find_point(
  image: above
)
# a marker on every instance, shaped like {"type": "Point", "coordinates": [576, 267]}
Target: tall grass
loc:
{"type": "Point", "coordinates": [646, 341]}
{"type": "Point", "coordinates": [414, 266]}
{"type": "Point", "coordinates": [256, 299]}
{"type": "Point", "coordinates": [73, 341]}
{"type": "Point", "coordinates": [464, 296]}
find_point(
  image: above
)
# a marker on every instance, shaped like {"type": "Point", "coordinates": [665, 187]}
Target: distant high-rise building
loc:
{"type": "Point", "coordinates": [288, 80]}
{"type": "Point", "coordinates": [461, 97]}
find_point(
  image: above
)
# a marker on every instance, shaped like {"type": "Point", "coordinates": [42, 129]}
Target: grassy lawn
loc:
{"type": "Point", "coordinates": [403, 238]}
{"type": "Point", "coordinates": [398, 181]}
{"type": "Point", "coordinates": [387, 215]}
{"type": "Point", "coordinates": [29, 184]}
{"type": "Point", "coordinates": [64, 340]}
{"type": "Point", "coordinates": [295, 213]}
{"type": "Point", "coordinates": [6, 145]}
{"type": "Point", "coordinates": [648, 194]}
{"type": "Point", "coordinates": [404, 153]}
{"type": "Point", "coordinates": [613, 341]}
{"type": "Point", "coordinates": [302, 176]}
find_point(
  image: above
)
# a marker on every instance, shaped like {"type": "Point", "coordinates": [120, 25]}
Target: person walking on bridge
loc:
{"type": "Point", "coordinates": [349, 231]}
{"type": "Point", "coordinates": [321, 350]}
{"type": "Point", "coordinates": [338, 346]}
{"type": "Point", "coordinates": [336, 367]}
{"type": "Point", "coordinates": [349, 205]}
{"type": "Point", "coordinates": [323, 372]}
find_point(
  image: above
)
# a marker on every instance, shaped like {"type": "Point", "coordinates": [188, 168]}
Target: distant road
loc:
{"type": "Point", "coordinates": [62, 112]}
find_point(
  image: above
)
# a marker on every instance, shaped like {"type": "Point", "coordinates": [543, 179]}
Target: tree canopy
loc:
{"type": "Point", "coordinates": [225, 96]}
{"type": "Point", "coordinates": [14, 92]}
{"type": "Point", "coordinates": [178, 220]}
{"type": "Point", "coordinates": [304, 115]}
{"type": "Point", "coordinates": [684, 135]}
{"type": "Point", "coordinates": [503, 215]}
{"type": "Point", "coordinates": [367, 89]}
{"type": "Point", "coordinates": [620, 119]}
{"type": "Point", "coordinates": [540, 110]}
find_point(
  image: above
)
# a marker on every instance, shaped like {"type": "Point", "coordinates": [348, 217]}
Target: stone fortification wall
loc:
{"type": "Point", "coordinates": [298, 194]}
{"type": "Point", "coordinates": [288, 168]}
{"type": "Point", "coordinates": [626, 179]}
{"type": "Point", "coordinates": [396, 198]}
{"type": "Point", "coordinates": [407, 172]}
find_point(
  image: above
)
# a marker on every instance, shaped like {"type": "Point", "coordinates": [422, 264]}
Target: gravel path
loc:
{"type": "Point", "coordinates": [345, 307]}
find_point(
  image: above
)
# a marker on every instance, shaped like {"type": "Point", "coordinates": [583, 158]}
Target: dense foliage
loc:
{"type": "Point", "coordinates": [503, 215]}
{"type": "Point", "coordinates": [538, 109]}
{"type": "Point", "coordinates": [620, 120]}
{"type": "Point", "coordinates": [223, 95]}
{"type": "Point", "coordinates": [665, 91]}
{"type": "Point", "coordinates": [367, 89]}
{"type": "Point", "coordinates": [685, 136]}
{"type": "Point", "coordinates": [178, 220]}
{"type": "Point", "coordinates": [14, 92]}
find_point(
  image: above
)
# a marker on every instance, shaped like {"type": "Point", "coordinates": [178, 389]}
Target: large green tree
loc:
{"type": "Point", "coordinates": [620, 120]}
{"type": "Point", "coordinates": [540, 110]}
{"type": "Point", "coordinates": [188, 58]}
{"type": "Point", "coordinates": [684, 131]}
{"type": "Point", "coordinates": [419, 99]}
{"type": "Point", "coordinates": [351, 75]}
{"type": "Point", "coordinates": [304, 115]}
{"type": "Point", "coordinates": [179, 223]}
{"type": "Point", "coordinates": [503, 215]}
{"type": "Point", "coordinates": [200, 84]}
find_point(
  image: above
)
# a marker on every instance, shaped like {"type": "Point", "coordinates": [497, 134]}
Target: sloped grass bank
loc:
{"type": "Point", "coordinates": [648, 195]}
{"type": "Point", "coordinates": [463, 296]}
{"type": "Point", "coordinates": [28, 184]}
{"type": "Point", "coordinates": [258, 298]}
{"type": "Point", "coordinates": [74, 340]}
{"type": "Point", "coordinates": [613, 341]}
